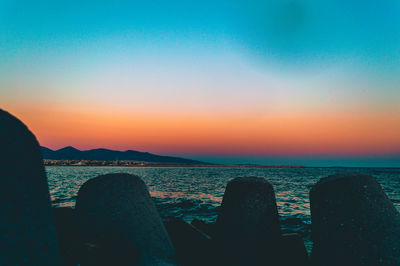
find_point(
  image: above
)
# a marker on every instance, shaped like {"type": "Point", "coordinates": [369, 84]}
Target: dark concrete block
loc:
{"type": "Point", "coordinates": [66, 235]}
{"type": "Point", "coordinates": [206, 228]}
{"type": "Point", "coordinates": [353, 222]}
{"type": "Point", "coordinates": [193, 247]}
{"type": "Point", "coordinates": [248, 230]}
{"type": "Point", "coordinates": [27, 230]}
{"type": "Point", "coordinates": [293, 251]}
{"type": "Point", "coordinates": [118, 223]}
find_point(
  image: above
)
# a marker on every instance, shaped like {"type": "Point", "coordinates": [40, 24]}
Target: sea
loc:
{"type": "Point", "coordinates": [190, 193]}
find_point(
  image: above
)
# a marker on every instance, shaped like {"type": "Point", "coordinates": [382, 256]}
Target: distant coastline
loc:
{"type": "Point", "coordinates": [105, 157]}
{"type": "Point", "coordinates": [127, 163]}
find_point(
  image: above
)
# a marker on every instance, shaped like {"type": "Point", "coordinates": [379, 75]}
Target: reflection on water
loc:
{"type": "Point", "coordinates": [191, 193]}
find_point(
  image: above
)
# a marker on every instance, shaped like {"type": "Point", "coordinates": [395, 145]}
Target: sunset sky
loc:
{"type": "Point", "coordinates": [271, 82]}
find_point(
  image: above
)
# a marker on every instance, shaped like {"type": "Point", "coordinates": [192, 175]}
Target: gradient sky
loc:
{"type": "Point", "coordinates": [273, 82]}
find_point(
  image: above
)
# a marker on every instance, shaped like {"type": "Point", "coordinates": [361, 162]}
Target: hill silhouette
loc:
{"type": "Point", "coordinates": [71, 153]}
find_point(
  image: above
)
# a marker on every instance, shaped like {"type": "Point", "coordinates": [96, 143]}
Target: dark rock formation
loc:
{"type": "Point", "coordinates": [118, 223]}
{"type": "Point", "coordinates": [27, 231]}
{"type": "Point", "coordinates": [293, 251]}
{"type": "Point", "coordinates": [353, 222]}
{"type": "Point", "coordinates": [248, 230]}
{"type": "Point", "coordinates": [192, 246]}
{"type": "Point", "coordinates": [66, 235]}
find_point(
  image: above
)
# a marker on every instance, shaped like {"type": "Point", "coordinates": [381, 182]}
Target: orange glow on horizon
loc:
{"type": "Point", "coordinates": [256, 133]}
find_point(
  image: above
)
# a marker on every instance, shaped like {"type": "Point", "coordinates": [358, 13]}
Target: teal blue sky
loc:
{"type": "Point", "coordinates": [281, 32]}
{"type": "Point", "coordinates": [209, 58]}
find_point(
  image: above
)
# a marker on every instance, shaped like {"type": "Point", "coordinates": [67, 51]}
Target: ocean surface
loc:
{"type": "Point", "coordinates": [191, 193]}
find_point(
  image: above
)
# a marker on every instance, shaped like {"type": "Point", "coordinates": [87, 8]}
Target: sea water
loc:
{"type": "Point", "coordinates": [190, 193]}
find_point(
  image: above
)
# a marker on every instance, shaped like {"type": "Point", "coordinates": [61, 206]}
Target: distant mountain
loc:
{"type": "Point", "coordinates": [71, 153]}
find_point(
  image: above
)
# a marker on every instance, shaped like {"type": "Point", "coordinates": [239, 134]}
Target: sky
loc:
{"type": "Point", "coordinates": [269, 82]}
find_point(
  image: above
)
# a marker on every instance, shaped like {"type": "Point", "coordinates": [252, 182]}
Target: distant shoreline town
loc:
{"type": "Point", "coordinates": [70, 156]}
{"type": "Point", "coordinates": [128, 163]}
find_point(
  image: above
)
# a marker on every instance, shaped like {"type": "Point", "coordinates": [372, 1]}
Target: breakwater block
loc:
{"type": "Point", "coordinates": [27, 231]}
{"type": "Point", "coordinates": [206, 228]}
{"type": "Point", "coordinates": [247, 228]}
{"type": "Point", "coordinates": [66, 235]}
{"type": "Point", "coordinates": [117, 222]}
{"type": "Point", "coordinates": [293, 250]}
{"type": "Point", "coordinates": [353, 222]}
{"type": "Point", "coordinates": [193, 247]}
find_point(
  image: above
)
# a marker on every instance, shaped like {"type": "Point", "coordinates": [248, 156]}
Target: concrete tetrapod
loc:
{"type": "Point", "coordinates": [247, 228]}
{"type": "Point", "coordinates": [353, 222]}
{"type": "Point", "coordinates": [118, 223]}
{"type": "Point", "coordinates": [27, 231]}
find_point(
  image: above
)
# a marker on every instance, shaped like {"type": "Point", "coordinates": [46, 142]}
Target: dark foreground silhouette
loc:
{"type": "Point", "coordinates": [115, 221]}
{"type": "Point", "coordinates": [27, 231]}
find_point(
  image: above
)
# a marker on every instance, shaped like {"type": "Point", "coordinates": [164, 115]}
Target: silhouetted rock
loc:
{"type": "Point", "coordinates": [248, 230]}
{"type": "Point", "coordinates": [206, 228]}
{"type": "Point", "coordinates": [353, 222]}
{"type": "Point", "coordinates": [66, 235]}
{"type": "Point", "coordinates": [119, 224]}
{"type": "Point", "coordinates": [293, 251]}
{"type": "Point", "coordinates": [192, 246]}
{"type": "Point", "coordinates": [27, 231]}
